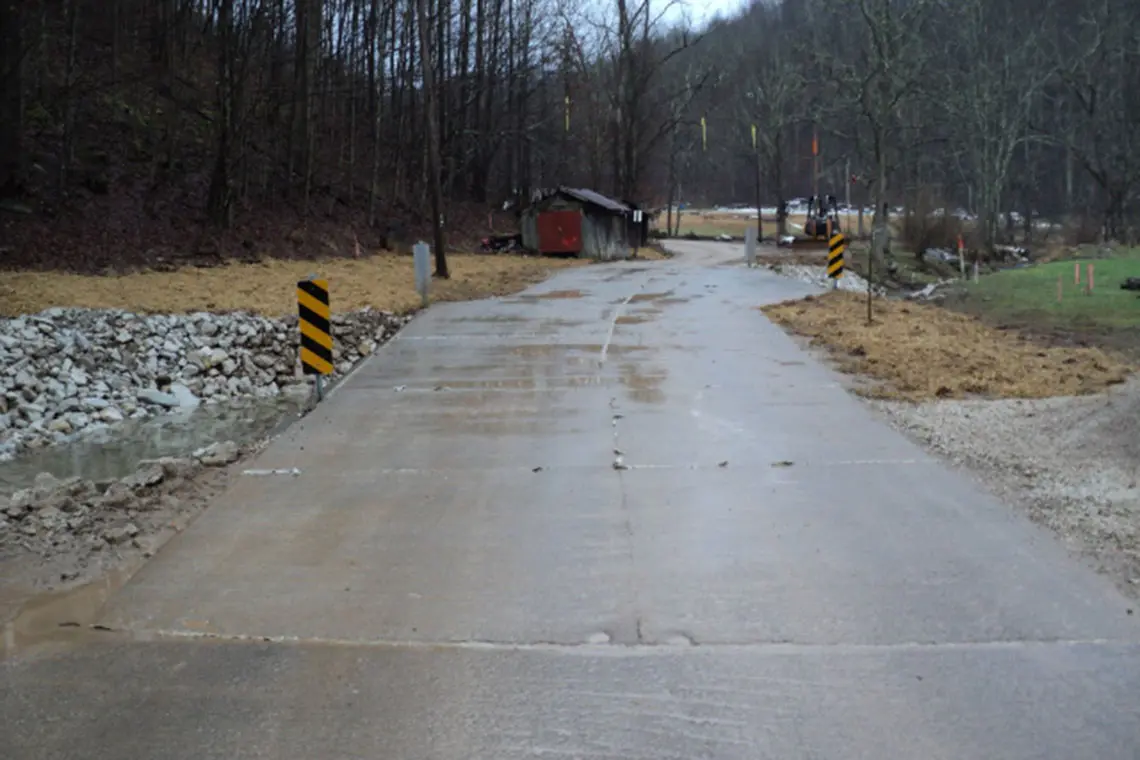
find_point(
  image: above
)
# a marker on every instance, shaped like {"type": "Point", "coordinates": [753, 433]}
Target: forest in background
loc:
{"type": "Point", "coordinates": [158, 132]}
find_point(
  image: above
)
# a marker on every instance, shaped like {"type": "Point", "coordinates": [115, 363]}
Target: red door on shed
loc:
{"type": "Point", "coordinates": [560, 232]}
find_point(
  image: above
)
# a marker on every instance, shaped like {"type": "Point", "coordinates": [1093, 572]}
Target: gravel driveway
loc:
{"type": "Point", "coordinates": [1072, 464]}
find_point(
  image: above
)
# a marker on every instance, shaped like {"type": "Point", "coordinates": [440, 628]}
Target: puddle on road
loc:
{"type": "Point", "coordinates": [115, 452]}
{"type": "Point", "coordinates": [644, 387]}
{"type": "Point", "coordinates": [555, 349]}
{"type": "Point", "coordinates": [497, 415]}
{"type": "Point", "coordinates": [622, 274]}
{"type": "Point", "coordinates": [643, 297]}
{"type": "Point", "coordinates": [558, 294]}
{"type": "Point", "coordinates": [553, 295]}
{"type": "Point", "coordinates": [522, 383]}
{"type": "Point", "coordinates": [58, 616]}
{"type": "Point", "coordinates": [633, 319]}
{"type": "Point", "coordinates": [498, 318]}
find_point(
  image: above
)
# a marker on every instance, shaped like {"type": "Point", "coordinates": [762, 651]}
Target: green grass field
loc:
{"type": "Point", "coordinates": [1027, 299]}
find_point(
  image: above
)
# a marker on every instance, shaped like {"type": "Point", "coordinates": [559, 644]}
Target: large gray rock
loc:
{"type": "Point", "coordinates": [157, 397]}
{"type": "Point", "coordinates": [146, 476]}
{"type": "Point", "coordinates": [185, 397]}
{"type": "Point", "coordinates": [218, 454]}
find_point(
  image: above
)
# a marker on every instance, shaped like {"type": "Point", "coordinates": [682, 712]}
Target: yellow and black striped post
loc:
{"type": "Point", "coordinates": [835, 250]}
{"type": "Point", "coordinates": [316, 330]}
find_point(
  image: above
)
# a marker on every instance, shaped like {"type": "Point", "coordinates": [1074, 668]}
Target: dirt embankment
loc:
{"type": "Point", "coordinates": [384, 281]}
{"type": "Point", "coordinates": [916, 351]}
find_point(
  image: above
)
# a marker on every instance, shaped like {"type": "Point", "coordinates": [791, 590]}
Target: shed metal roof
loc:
{"type": "Point", "coordinates": [584, 196]}
{"type": "Point", "coordinates": [597, 199]}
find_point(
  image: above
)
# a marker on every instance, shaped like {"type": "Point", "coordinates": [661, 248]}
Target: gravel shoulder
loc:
{"type": "Point", "coordinates": [1071, 464]}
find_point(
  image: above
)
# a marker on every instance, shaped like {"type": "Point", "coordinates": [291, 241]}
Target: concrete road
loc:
{"type": "Point", "coordinates": [465, 568]}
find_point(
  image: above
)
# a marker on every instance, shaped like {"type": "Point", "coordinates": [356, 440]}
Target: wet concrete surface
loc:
{"type": "Point", "coordinates": [530, 528]}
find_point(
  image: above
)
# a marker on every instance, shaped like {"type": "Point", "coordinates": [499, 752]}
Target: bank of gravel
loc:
{"type": "Point", "coordinates": [71, 372]}
{"type": "Point", "coordinates": [1073, 464]}
{"type": "Point", "coordinates": [817, 275]}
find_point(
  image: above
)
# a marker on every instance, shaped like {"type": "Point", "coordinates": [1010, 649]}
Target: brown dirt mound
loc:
{"type": "Point", "coordinates": [918, 351]}
{"type": "Point", "coordinates": [383, 282]}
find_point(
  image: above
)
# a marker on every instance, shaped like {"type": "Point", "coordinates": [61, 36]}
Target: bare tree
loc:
{"type": "Point", "coordinates": [430, 106]}
{"type": "Point", "coordinates": [11, 96]}
{"type": "Point", "coordinates": [772, 98]}
{"type": "Point", "coordinates": [872, 74]}
{"type": "Point", "coordinates": [1101, 80]}
{"type": "Point", "coordinates": [995, 81]}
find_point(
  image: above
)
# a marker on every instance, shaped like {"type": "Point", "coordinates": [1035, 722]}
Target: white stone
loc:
{"type": "Point", "coordinates": [153, 396]}
{"type": "Point", "coordinates": [184, 396]}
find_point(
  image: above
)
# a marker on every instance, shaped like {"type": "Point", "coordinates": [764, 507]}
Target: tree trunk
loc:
{"type": "Point", "coordinates": [880, 226]}
{"type": "Point", "coordinates": [11, 98]}
{"type": "Point", "coordinates": [218, 203]}
{"type": "Point", "coordinates": [70, 96]}
{"type": "Point", "coordinates": [434, 180]}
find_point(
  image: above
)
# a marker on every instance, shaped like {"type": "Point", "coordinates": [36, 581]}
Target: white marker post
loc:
{"type": "Point", "coordinates": [637, 220]}
{"type": "Point", "coordinates": [750, 246]}
{"type": "Point", "coordinates": [421, 255]}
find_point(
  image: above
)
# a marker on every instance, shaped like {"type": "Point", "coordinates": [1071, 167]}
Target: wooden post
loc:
{"type": "Point", "coordinates": [870, 273]}
{"type": "Point", "coordinates": [847, 183]}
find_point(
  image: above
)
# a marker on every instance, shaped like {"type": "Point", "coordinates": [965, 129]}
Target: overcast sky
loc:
{"type": "Point", "coordinates": [702, 11]}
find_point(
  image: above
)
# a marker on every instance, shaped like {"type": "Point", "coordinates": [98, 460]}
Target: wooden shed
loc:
{"type": "Point", "coordinates": [581, 222]}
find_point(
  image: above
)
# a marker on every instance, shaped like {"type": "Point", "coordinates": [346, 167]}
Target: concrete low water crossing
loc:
{"type": "Point", "coordinates": [524, 528]}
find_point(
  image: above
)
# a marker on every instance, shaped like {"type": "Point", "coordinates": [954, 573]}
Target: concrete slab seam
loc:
{"type": "Point", "coordinates": [618, 313]}
{"type": "Point", "coordinates": [640, 647]}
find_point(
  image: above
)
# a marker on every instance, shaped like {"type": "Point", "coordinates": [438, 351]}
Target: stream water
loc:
{"type": "Point", "coordinates": [115, 452]}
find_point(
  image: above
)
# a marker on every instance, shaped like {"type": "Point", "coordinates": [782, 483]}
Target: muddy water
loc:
{"type": "Point", "coordinates": [59, 616]}
{"type": "Point", "coordinates": [115, 452]}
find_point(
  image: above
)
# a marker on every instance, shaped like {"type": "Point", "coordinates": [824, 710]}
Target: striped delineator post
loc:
{"type": "Point", "coordinates": [316, 329]}
{"type": "Point", "coordinates": [836, 247]}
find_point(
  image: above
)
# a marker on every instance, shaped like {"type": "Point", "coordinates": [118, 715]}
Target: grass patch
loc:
{"type": "Point", "coordinates": [919, 352]}
{"type": "Point", "coordinates": [384, 281]}
{"type": "Point", "coordinates": [1026, 299]}
{"type": "Point", "coordinates": [1030, 294]}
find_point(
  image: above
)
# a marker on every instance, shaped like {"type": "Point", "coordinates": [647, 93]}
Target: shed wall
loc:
{"type": "Point", "coordinates": [603, 237]}
{"type": "Point", "coordinates": [528, 226]}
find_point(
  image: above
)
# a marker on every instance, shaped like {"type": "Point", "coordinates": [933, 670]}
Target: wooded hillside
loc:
{"type": "Point", "coordinates": [136, 131]}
